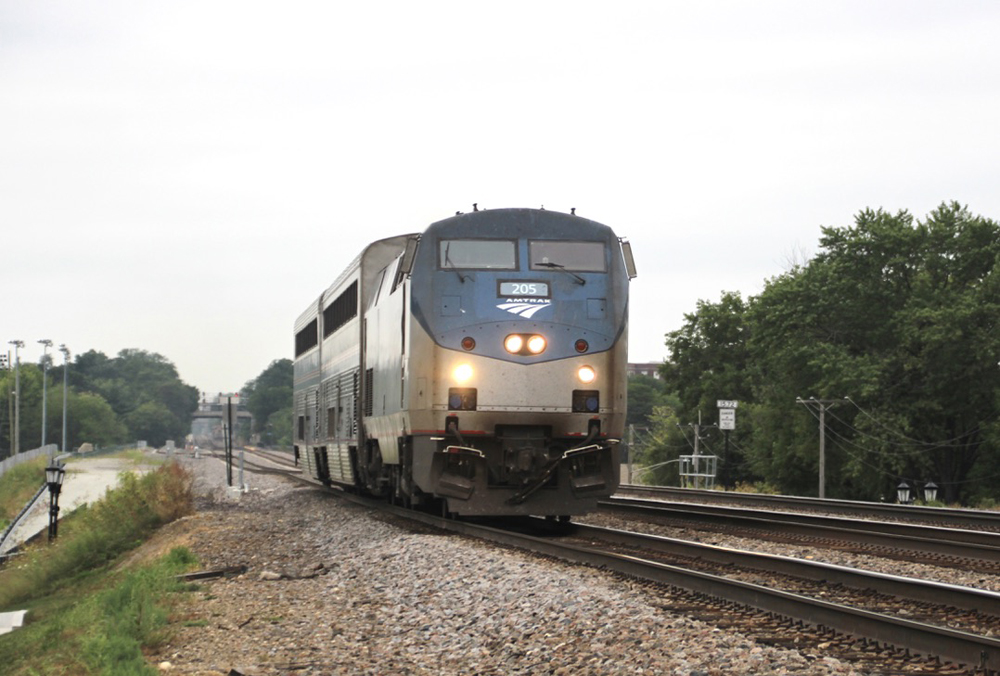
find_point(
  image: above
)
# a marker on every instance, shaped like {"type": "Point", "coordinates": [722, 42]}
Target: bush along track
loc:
{"type": "Point", "coordinates": [85, 615]}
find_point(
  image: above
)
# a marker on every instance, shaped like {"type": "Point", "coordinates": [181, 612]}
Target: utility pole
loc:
{"type": "Point", "coordinates": [694, 461]}
{"type": "Point", "coordinates": [18, 344]}
{"type": "Point", "coordinates": [46, 343]}
{"type": "Point", "coordinates": [821, 405]}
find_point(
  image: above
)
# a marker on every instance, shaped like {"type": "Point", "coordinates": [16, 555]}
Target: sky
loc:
{"type": "Point", "coordinates": [185, 177]}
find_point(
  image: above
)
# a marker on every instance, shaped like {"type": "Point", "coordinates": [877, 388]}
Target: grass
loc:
{"type": "Point", "coordinates": [85, 617]}
{"type": "Point", "coordinates": [18, 485]}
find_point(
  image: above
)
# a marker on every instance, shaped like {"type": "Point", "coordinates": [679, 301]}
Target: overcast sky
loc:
{"type": "Point", "coordinates": [185, 177]}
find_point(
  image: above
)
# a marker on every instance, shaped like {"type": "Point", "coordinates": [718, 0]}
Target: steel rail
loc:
{"type": "Point", "coordinates": [977, 545]}
{"type": "Point", "coordinates": [922, 639]}
{"type": "Point", "coordinates": [17, 521]}
{"type": "Point", "coordinates": [917, 637]}
{"type": "Point", "coordinates": [938, 593]}
{"type": "Point", "coordinates": [951, 516]}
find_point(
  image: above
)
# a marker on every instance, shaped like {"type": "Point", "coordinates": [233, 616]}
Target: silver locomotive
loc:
{"type": "Point", "coordinates": [479, 366]}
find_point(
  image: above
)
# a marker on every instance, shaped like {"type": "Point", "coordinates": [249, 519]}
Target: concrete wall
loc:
{"type": "Point", "coordinates": [13, 461]}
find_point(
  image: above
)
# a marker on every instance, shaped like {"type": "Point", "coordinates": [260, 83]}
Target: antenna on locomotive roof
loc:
{"type": "Point", "coordinates": [543, 207]}
{"type": "Point", "coordinates": [572, 211]}
{"type": "Point", "coordinates": [475, 206]}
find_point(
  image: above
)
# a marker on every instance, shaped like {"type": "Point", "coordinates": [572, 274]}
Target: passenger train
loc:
{"type": "Point", "coordinates": [478, 367]}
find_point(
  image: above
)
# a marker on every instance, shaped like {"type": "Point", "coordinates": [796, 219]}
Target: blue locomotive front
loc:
{"type": "Point", "coordinates": [492, 352]}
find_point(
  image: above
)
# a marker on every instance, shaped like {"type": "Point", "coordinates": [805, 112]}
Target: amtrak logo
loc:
{"type": "Point", "coordinates": [524, 307]}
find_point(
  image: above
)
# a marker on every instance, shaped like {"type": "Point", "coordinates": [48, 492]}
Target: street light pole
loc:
{"type": "Point", "coordinates": [54, 475]}
{"type": "Point", "coordinates": [65, 351]}
{"type": "Point", "coordinates": [18, 344]}
{"type": "Point", "coordinates": [45, 381]}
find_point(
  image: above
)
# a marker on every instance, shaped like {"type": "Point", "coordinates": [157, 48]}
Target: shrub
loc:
{"type": "Point", "coordinates": [100, 628]}
{"type": "Point", "coordinates": [92, 537]}
{"type": "Point", "coordinates": [757, 487]}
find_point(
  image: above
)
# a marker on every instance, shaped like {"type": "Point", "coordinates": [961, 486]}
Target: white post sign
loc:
{"type": "Point", "coordinates": [727, 413]}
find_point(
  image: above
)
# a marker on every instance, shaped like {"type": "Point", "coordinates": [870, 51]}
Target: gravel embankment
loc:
{"type": "Point", "coordinates": [333, 588]}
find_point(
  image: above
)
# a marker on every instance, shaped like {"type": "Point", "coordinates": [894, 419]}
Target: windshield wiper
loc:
{"type": "Point", "coordinates": [561, 268]}
{"type": "Point", "coordinates": [449, 264]}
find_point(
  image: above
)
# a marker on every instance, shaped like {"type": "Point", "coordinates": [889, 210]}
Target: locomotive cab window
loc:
{"type": "Point", "coordinates": [575, 256]}
{"type": "Point", "coordinates": [477, 254]}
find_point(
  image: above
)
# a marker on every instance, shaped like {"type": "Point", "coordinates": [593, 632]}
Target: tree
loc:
{"type": "Point", "coordinates": [708, 362]}
{"type": "Point", "coordinates": [90, 419]}
{"type": "Point", "coordinates": [899, 315]}
{"type": "Point", "coordinates": [136, 383]}
{"type": "Point", "coordinates": [155, 423]}
{"type": "Point", "coordinates": [644, 394]}
{"type": "Point", "coordinates": [268, 393]}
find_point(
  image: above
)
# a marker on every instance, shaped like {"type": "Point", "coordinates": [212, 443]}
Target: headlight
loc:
{"type": "Point", "coordinates": [525, 344]}
{"type": "Point", "coordinates": [536, 344]}
{"type": "Point", "coordinates": [586, 374]}
{"type": "Point", "coordinates": [463, 373]}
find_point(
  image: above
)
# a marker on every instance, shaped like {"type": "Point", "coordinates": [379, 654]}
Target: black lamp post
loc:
{"type": "Point", "coordinates": [930, 491]}
{"type": "Point", "coordinates": [903, 493]}
{"type": "Point", "coordinates": [54, 475]}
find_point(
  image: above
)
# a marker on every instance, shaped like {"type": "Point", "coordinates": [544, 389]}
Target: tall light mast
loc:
{"type": "Point", "coordinates": [18, 344]}
{"type": "Point", "coordinates": [65, 351]}
{"type": "Point", "coordinates": [45, 381]}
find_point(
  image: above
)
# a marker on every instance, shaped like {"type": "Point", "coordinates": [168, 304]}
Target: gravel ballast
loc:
{"type": "Point", "coordinates": [333, 588]}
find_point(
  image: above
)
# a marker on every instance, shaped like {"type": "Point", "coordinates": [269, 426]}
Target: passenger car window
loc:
{"type": "Point", "coordinates": [576, 256]}
{"type": "Point", "coordinates": [478, 254]}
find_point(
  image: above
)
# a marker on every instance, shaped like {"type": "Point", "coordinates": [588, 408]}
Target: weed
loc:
{"type": "Point", "coordinates": [102, 628]}
{"type": "Point", "coordinates": [18, 485]}
{"type": "Point", "coordinates": [92, 537]}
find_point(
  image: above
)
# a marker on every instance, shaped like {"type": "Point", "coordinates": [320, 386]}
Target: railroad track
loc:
{"type": "Point", "coordinates": [814, 608]}
{"type": "Point", "coordinates": [948, 517]}
{"type": "Point", "coordinates": [260, 461]}
{"type": "Point", "coordinates": [920, 543]}
{"type": "Point", "coordinates": [943, 605]}
{"type": "Point", "coordinates": [874, 641]}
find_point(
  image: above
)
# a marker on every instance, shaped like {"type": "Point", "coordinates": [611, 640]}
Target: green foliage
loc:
{"type": "Point", "coordinates": [155, 423]}
{"type": "Point", "coordinates": [758, 487]}
{"type": "Point", "coordinates": [94, 536]}
{"type": "Point", "coordinates": [279, 429]}
{"type": "Point", "coordinates": [710, 362]}
{"type": "Point", "coordinates": [902, 317]}
{"type": "Point", "coordinates": [644, 394]}
{"type": "Point", "coordinates": [105, 402]}
{"type": "Point", "coordinates": [92, 420]}
{"type": "Point", "coordinates": [18, 485]}
{"type": "Point", "coordinates": [656, 450]}
{"type": "Point", "coordinates": [100, 626]}
{"type": "Point", "coordinates": [269, 399]}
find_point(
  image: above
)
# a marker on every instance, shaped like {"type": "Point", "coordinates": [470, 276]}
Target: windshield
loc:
{"type": "Point", "coordinates": [478, 254]}
{"type": "Point", "coordinates": [578, 256]}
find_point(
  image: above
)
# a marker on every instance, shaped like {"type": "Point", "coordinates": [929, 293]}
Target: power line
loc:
{"type": "Point", "coordinates": [936, 444]}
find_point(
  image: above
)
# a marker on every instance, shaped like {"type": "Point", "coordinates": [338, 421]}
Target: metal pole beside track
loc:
{"type": "Point", "coordinates": [229, 440]}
